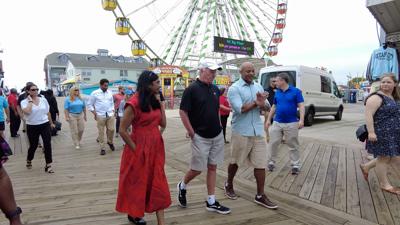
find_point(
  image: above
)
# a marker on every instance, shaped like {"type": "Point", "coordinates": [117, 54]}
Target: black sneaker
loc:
{"type": "Point", "coordinates": [216, 207]}
{"type": "Point", "coordinates": [295, 171]}
{"type": "Point", "coordinates": [181, 196]}
{"type": "Point", "coordinates": [271, 167]}
{"type": "Point", "coordinates": [137, 220]}
{"type": "Point", "coordinates": [111, 146]}
{"type": "Point", "coordinates": [102, 152]}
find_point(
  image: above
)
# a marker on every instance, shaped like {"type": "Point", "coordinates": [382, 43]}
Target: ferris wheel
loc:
{"type": "Point", "coordinates": [182, 32]}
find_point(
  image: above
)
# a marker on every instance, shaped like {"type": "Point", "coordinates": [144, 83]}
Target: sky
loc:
{"type": "Point", "coordinates": [339, 35]}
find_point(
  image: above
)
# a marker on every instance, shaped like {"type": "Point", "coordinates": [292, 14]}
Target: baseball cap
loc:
{"type": "Point", "coordinates": [209, 64]}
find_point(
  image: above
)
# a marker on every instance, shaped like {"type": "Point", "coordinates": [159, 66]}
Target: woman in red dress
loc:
{"type": "Point", "coordinates": [143, 185]}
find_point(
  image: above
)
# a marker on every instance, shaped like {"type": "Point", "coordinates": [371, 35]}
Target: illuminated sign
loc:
{"type": "Point", "coordinates": [227, 45]}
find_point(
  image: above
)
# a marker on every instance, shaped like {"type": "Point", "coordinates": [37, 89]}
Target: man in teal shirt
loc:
{"type": "Point", "coordinates": [247, 99]}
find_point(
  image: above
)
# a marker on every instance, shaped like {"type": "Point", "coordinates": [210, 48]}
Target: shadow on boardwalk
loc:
{"type": "Point", "coordinates": [329, 189]}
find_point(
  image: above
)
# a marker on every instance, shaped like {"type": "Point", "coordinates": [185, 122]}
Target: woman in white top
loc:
{"type": "Point", "coordinates": [39, 123]}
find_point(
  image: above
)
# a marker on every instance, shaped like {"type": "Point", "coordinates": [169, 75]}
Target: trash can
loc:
{"type": "Point", "coordinates": [353, 96]}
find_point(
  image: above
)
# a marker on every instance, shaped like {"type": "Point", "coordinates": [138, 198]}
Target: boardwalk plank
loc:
{"type": "Point", "coordinates": [308, 184]}
{"type": "Point", "coordinates": [366, 203]}
{"type": "Point", "coordinates": [298, 182]}
{"type": "Point", "coordinates": [328, 194]}
{"type": "Point", "coordinates": [340, 201]}
{"type": "Point", "coordinates": [318, 188]}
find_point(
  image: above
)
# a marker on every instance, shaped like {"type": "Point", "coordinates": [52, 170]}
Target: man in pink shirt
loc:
{"type": "Point", "coordinates": [117, 100]}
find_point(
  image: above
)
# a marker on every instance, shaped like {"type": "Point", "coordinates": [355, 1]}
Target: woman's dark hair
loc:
{"type": "Point", "coordinates": [146, 97]}
{"type": "Point", "coordinates": [28, 87]}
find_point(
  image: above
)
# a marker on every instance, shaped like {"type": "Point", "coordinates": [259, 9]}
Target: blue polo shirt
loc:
{"type": "Point", "coordinates": [286, 104]}
{"type": "Point", "coordinates": [76, 107]}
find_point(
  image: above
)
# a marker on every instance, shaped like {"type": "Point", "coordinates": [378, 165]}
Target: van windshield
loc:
{"type": "Point", "coordinates": [266, 77]}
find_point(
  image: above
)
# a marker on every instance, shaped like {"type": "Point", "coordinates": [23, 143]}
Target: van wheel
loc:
{"type": "Point", "coordinates": [309, 118]}
{"type": "Point", "coordinates": [339, 114]}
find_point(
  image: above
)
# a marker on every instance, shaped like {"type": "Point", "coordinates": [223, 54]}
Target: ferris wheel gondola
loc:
{"type": "Point", "coordinates": [160, 35]}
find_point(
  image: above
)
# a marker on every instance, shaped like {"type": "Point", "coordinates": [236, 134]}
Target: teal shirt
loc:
{"type": "Point", "coordinates": [247, 124]}
{"type": "Point", "coordinates": [3, 105]}
{"type": "Point", "coordinates": [76, 107]}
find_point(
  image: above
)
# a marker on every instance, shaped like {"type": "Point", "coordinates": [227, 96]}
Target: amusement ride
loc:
{"type": "Point", "coordinates": [182, 32]}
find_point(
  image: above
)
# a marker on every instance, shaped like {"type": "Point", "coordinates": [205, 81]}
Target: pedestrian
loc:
{"type": "Point", "coordinates": [75, 115]}
{"type": "Point", "coordinates": [248, 99]}
{"type": "Point", "coordinates": [15, 120]}
{"type": "Point", "coordinates": [7, 201]}
{"type": "Point", "coordinates": [3, 108]}
{"type": "Point", "coordinates": [224, 111]}
{"type": "Point", "coordinates": [36, 110]}
{"type": "Point", "coordinates": [382, 115]}
{"type": "Point", "coordinates": [284, 113]}
{"type": "Point", "coordinates": [271, 95]}
{"type": "Point", "coordinates": [49, 95]}
{"type": "Point", "coordinates": [22, 96]}
{"type": "Point", "coordinates": [143, 185]}
{"type": "Point", "coordinates": [117, 101]}
{"type": "Point", "coordinates": [101, 104]}
{"type": "Point", "coordinates": [121, 107]}
{"type": "Point", "coordinates": [199, 111]}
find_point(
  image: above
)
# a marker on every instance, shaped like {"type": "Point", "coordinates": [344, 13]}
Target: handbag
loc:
{"type": "Point", "coordinates": [58, 125]}
{"type": "Point", "coordinates": [362, 133]}
{"type": "Point", "coordinates": [5, 150]}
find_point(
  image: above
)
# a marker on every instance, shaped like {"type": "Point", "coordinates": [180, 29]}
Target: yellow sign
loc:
{"type": "Point", "coordinates": [170, 71]}
{"type": "Point", "coordinates": [222, 80]}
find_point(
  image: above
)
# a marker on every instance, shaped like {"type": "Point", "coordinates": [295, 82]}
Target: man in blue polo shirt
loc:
{"type": "Point", "coordinates": [284, 111]}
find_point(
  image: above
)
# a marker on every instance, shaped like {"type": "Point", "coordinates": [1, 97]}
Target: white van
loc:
{"type": "Point", "coordinates": [320, 92]}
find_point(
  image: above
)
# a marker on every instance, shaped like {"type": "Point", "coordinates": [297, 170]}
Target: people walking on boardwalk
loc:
{"type": "Point", "coordinates": [38, 123]}
{"type": "Point", "coordinates": [7, 201]}
{"type": "Point", "coordinates": [284, 113]}
{"type": "Point", "coordinates": [199, 112]}
{"type": "Point", "coordinates": [3, 109]}
{"type": "Point", "coordinates": [15, 120]}
{"type": "Point", "coordinates": [224, 110]}
{"type": "Point", "coordinates": [143, 185]}
{"type": "Point", "coordinates": [382, 115]}
{"type": "Point", "coordinates": [24, 93]}
{"type": "Point", "coordinates": [49, 95]}
{"type": "Point", "coordinates": [121, 107]}
{"type": "Point", "coordinates": [117, 101]}
{"type": "Point", "coordinates": [75, 115]}
{"type": "Point", "coordinates": [271, 95]}
{"type": "Point", "coordinates": [101, 104]}
{"type": "Point", "coordinates": [248, 99]}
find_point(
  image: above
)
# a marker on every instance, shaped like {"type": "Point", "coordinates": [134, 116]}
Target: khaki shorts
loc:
{"type": "Point", "coordinates": [206, 151]}
{"type": "Point", "coordinates": [249, 150]}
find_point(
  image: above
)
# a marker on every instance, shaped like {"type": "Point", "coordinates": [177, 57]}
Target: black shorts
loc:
{"type": "Point", "coordinates": [2, 126]}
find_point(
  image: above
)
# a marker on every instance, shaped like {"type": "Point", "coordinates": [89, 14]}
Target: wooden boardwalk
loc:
{"type": "Point", "coordinates": [329, 189]}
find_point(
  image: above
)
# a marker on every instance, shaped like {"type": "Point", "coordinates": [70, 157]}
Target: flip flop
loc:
{"type": "Point", "coordinates": [364, 172]}
{"type": "Point", "coordinates": [392, 190]}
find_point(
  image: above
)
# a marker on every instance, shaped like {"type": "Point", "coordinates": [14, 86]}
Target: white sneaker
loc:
{"type": "Point", "coordinates": [77, 147]}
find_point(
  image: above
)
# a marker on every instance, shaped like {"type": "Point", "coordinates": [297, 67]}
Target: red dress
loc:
{"type": "Point", "coordinates": [143, 185]}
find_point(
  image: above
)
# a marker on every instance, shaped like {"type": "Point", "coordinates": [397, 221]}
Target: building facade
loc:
{"type": "Point", "coordinates": [88, 69]}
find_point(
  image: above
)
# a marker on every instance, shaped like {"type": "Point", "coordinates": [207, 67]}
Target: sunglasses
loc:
{"type": "Point", "coordinates": [76, 90]}
{"type": "Point", "coordinates": [34, 89]}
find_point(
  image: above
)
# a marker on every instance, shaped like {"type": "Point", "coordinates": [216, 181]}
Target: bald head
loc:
{"type": "Point", "coordinates": [247, 72]}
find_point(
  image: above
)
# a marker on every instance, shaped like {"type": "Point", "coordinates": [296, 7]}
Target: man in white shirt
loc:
{"type": "Point", "coordinates": [101, 104]}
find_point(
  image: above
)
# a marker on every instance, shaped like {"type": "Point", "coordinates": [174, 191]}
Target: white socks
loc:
{"type": "Point", "coordinates": [182, 185]}
{"type": "Point", "coordinates": [211, 199]}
